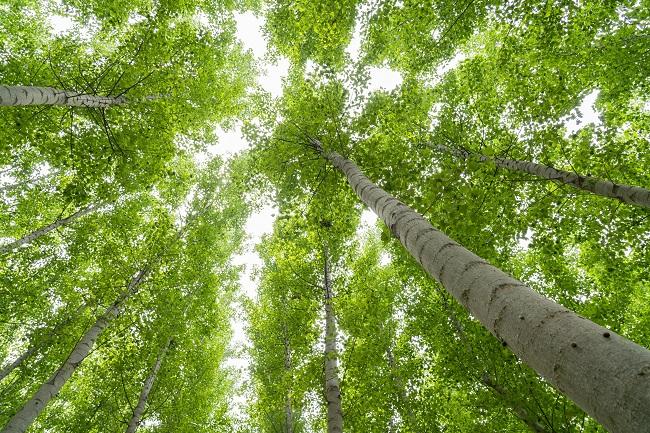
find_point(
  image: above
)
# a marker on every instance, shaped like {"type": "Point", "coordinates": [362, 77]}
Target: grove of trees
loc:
{"type": "Point", "coordinates": [504, 285]}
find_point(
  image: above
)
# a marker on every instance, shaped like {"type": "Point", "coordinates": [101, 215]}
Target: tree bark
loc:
{"type": "Point", "coordinates": [32, 347]}
{"type": "Point", "coordinates": [48, 390]}
{"type": "Point", "coordinates": [31, 95]}
{"type": "Point", "coordinates": [288, 411]}
{"type": "Point", "coordinates": [136, 418]}
{"type": "Point", "coordinates": [45, 230]}
{"type": "Point", "coordinates": [628, 194]}
{"type": "Point", "coordinates": [406, 411]}
{"type": "Point", "coordinates": [7, 369]}
{"type": "Point", "coordinates": [332, 388]}
{"type": "Point", "coordinates": [605, 374]}
{"type": "Point", "coordinates": [519, 410]}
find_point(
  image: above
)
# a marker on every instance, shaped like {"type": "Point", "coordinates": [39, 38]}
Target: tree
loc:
{"type": "Point", "coordinates": [525, 321]}
{"type": "Point", "coordinates": [25, 95]}
{"type": "Point", "coordinates": [331, 386]}
{"type": "Point", "coordinates": [21, 421]}
{"type": "Point", "coordinates": [135, 420]}
{"type": "Point", "coordinates": [625, 193]}
{"type": "Point", "coordinates": [554, 88]}
{"type": "Point", "coordinates": [45, 230]}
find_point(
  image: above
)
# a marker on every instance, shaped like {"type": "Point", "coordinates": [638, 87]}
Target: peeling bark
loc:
{"type": "Point", "coordinates": [136, 418]}
{"type": "Point", "coordinates": [627, 194]}
{"type": "Point", "coordinates": [48, 390]}
{"type": "Point", "coordinates": [332, 388]}
{"type": "Point", "coordinates": [32, 95]}
{"type": "Point", "coordinates": [45, 230]}
{"type": "Point", "coordinates": [605, 374]}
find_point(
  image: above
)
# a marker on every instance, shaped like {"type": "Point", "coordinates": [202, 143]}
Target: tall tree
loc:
{"type": "Point", "coordinates": [25, 240]}
{"type": "Point", "coordinates": [331, 355]}
{"type": "Point", "coordinates": [625, 193]}
{"type": "Point", "coordinates": [524, 320]}
{"type": "Point", "coordinates": [31, 95]}
{"type": "Point", "coordinates": [138, 411]}
{"type": "Point", "coordinates": [21, 421]}
{"type": "Point", "coordinates": [33, 344]}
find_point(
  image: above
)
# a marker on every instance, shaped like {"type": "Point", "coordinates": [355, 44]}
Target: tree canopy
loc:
{"type": "Point", "coordinates": [135, 295]}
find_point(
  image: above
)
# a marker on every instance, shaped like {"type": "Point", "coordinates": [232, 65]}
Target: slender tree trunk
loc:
{"type": "Point", "coordinates": [6, 370]}
{"type": "Point", "coordinates": [605, 374]}
{"type": "Point", "coordinates": [407, 413]}
{"type": "Point", "coordinates": [14, 186]}
{"type": "Point", "coordinates": [45, 230]}
{"type": "Point", "coordinates": [48, 390]}
{"type": "Point", "coordinates": [135, 420]}
{"type": "Point", "coordinates": [332, 389]}
{"type": "Point", "coordinates": [628, 194]}
{"type": "Point", "coordinates": [519, 410]}
{"type": "Point", "coordinates": [288, 412]}
{"type": "Point", "coordinates": [31, 95]}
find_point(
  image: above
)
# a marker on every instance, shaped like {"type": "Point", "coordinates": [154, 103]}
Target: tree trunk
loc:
{"type": "Point", "coordinates": [406, 413]}
{"type": "Point", "coordinates": [30, 410]}
{"type": "Point", "coordinates": [605, 374]}
{"type": "Point", "coordinates": [519, 410]}
{"type": "Point", "coordinates": [628, 194]}
{"type": "Point", "coordinates": [31, 95]}
{"type": "Point", "coordinates": [7, 369]}
{"type": "Point", "coordinates": [332, 389]}
{"type": "Point", "coordinates": [135, 420]}
{"type": "Point", "coordinates": [288, 412]}
{"type": "Point", "coordinates": [45, 230]}
{"type": "Point", "coordinates": [32, 347]}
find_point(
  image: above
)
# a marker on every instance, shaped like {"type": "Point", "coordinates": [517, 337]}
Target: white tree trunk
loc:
{"type": "Point", "coordinates": [32, 347]}
{"type": "Point", "coordinates": [45, 230]}
{"type": "Point", "coordinates": [288, 411]}
{"type": "Point", "coordinates": [406, 412]}
{"type": "Point", "coordinates": [628, 194]}
{"type": "Point", "coordinates": [31, 95]}
{"type": "Point", "coordinates": [605, 374]}
{"type": "Point", "coordinates": [332, 388]}
{"type": "Point", "coordinates": [136, 418]}
{"type": "Point", "coordinates": [7, 369]}
{"type": "Point", "coordinates": [518, 409]}
{"type": "Point", "coordinates": [48, 390]}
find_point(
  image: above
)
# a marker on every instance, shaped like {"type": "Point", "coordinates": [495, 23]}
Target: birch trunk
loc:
{"type": "Point", "coordinates": [502, 394]}
{"type": "Point", "coordinates": [628, 194]}
{"type": "Point", "coordinates": [332, 388]}
{"type": "Point", "coordinates": [136, 418]}
{"type": "Point", "coordinates": [45, 230]}
{"type": "Point", "coordinates": [31, 95]}
{"type": "Point", "coordinates": [519, 410]}
{"type": "Point", "coordinates": [6, 370]}
{"type": "Point", "coordinates": [30, 411]}
{"type": "Point", "coordinates": [605, 374]}
{"type": "Point", "coordinates": [406, 413]}
{"type": "Point", "coordinates": [32, 347]}
{"type": "Point", "coordinates": [288, 412]}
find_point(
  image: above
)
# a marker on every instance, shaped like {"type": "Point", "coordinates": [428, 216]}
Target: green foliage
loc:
{"type": "Point", "coordinates": [501, 79]}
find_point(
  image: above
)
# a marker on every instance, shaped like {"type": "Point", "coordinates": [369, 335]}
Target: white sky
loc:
{"type": "Point", "coordinates": [583, 115]}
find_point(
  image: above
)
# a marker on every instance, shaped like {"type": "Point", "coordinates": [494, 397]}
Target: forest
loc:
{"type": "Point", "coordinates": [301, 216]}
